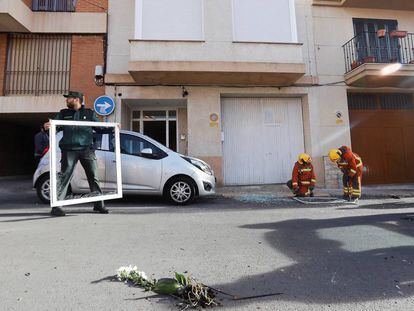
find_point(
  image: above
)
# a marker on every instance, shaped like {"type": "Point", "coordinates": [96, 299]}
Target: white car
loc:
{"type": "Point", "coordinates": [148, 168]}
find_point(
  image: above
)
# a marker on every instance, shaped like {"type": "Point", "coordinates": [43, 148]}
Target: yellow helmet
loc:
{"type": "Point", "coordinates": [334, 155]}
{"type": "Point", "coordinates": [304, 158]}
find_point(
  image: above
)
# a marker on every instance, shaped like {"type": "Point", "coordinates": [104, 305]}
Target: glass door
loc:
{"type": "Point", "coordinates": [160, 125]}
{"type": "Point", "coordinates": [370, 47]}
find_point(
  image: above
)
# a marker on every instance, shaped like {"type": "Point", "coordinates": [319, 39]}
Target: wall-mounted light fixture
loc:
{"type": "Point", "coordinates": [184, 91]}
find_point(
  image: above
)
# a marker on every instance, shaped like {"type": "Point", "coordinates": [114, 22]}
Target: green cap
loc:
{"type": "Point", "coordinates": [74, 94]}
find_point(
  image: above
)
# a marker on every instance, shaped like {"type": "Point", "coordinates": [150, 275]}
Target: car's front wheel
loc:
{"type": "Point", "coordinates": [43, 189]}
{"type": "Point", "coordinates": [180, 191]}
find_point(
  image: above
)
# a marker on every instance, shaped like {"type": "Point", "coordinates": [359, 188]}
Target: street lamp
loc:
{"type": "Point", "coordinates": [389, 69]}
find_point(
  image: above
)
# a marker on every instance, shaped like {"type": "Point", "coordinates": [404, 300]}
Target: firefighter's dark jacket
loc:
{"type": "Point", "coordinates": [78, 137]}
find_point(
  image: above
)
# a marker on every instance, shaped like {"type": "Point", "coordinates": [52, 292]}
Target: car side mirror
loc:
{"type": "Point", "coordinates": [147, 153]}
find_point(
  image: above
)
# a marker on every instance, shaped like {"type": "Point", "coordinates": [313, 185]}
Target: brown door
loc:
{"type": "Point", "coordinates": [382, 133]}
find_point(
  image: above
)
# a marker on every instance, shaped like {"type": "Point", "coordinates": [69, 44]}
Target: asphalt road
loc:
{"type": "Point", "coordinates": [319, 257]}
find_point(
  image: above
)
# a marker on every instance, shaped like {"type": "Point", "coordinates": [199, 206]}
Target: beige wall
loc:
{"type": "Point", "coordinates": [218, 35]}
{"type": "Point", "coordinates": [121, 21]}
{"type": "Point", "coordinates": [31, 104]}
{"type": "Point", "coordinates": [126, 118]}
{"type": "Point", "coordinates": [182, 130]}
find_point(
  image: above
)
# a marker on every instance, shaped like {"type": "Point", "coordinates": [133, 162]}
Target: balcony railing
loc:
{"type": "Point", "coordinates": [371, 47]}
{"type": "Point", "coordinates": [54, 5]}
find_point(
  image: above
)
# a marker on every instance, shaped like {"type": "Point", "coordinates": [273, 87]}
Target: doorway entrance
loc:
{"type": "Point", "coordinates": [160, 125]}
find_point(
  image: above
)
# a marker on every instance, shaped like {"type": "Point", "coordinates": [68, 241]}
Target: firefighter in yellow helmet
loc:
{"type": "Point", "coordinates": [351, 166]}
{"type": "Point", "coordinates": [303, 177]}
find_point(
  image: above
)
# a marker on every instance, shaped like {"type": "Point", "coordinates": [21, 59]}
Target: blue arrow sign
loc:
{"type": "Point", "coordinates": [104, 105]}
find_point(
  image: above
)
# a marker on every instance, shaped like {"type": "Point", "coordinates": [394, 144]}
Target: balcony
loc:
{"type": "Point", "coordinates": [215, 63]}
{"type": "Point", "coordinates": [14, 16]}
{"type": "Point", "coordinates": [53, 5]}
{"type": "Point", "coordinates": [369, 4]}
{"type": "Point", "coordinates": [49, 17]}
{"type": "Point", "coordinates": [368, 53]}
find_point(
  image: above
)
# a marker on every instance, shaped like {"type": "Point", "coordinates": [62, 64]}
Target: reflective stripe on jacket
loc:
{"type": "Point", "coordinates": [303, 174]}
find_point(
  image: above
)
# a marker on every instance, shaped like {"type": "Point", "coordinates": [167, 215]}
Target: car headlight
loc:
{"type": "Point", "coordinates": [200, 165]}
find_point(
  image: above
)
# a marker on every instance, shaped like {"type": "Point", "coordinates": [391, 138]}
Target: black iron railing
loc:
{"type": "Point", "coordinates": [372, 47]}
{"type": "Point", "coordinates": [38, 64]}
{"type": "Point", "coordinates": [54, 5]}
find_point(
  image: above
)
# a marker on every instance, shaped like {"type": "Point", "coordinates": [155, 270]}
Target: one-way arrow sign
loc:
{"type": "Point", "coordinates": [104, 105]}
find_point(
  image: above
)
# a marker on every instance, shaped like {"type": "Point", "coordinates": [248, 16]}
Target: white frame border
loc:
{"type": "Point", "coordinates": [52, 163]}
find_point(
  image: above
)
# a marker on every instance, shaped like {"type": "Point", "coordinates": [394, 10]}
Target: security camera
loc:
{"type": "Point", "coordinates": [184, 91]}
{"type": "Point", "coordinates": [99, 75]}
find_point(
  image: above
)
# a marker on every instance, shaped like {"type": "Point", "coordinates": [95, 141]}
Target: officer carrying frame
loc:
{"type": "Point", "coordinates": [53, 169]}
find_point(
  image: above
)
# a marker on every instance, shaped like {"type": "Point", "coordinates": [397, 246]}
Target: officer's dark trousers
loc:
{"type": "Point", "coordinates": [68, 162]}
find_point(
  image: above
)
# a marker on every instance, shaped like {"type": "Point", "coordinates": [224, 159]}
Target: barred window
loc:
{"type": "Point", "coordinates": [391, 101]}
{"type": "Point", "coordinates": [38, 64]}
{"type": "Point", "coordinates": [397, 102]}
{"type": "Point", "coordinates": [362, 101]}
{"type": "Point", "coordinates": [54, 5]}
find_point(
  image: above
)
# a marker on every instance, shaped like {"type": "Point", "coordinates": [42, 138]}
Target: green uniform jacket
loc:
{"type": "Point", "coordinates": [76, 137]}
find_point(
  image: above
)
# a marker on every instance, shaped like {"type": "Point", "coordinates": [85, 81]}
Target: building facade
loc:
{"type": "Point", "coordinates": [46, 48]}
{"type": "Point", "coordinates": [246, 85]}
{"type": "Point", "coordinates": [369, 45]}
{"type": "Point", "coordinates": [237, 77]}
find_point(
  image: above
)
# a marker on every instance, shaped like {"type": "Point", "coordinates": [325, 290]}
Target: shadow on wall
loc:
{"type": "Point", "coordinates": [343, 260]}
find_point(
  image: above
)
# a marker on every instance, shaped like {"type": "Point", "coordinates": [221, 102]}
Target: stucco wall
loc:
{"type": "Point", "coordinates": [218, 35]}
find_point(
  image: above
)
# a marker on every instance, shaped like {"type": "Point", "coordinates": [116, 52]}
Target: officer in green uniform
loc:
{"type": "Point", "coordinates": [77, 145]}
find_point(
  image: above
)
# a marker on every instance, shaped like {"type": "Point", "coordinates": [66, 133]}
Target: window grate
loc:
{"type": "Point", "coordinates": [38, 64]}
{"type": "Point", "coordinates": [397, 102]}
{"type": "Point", "coordinates": [362, 102]}
{"type": "Point", "coordinates": [54, 5]}
{"type": "Point", "coordinates": [394, 101]}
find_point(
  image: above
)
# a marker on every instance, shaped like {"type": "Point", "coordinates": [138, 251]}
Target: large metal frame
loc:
{"type": "Point", "coordinates": [53, 168]}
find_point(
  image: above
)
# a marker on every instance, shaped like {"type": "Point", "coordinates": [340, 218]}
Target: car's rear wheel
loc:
{"type": "Point", "coordinates": [180, 191]}
{"type": "Point", "coordinates": [43, 189]}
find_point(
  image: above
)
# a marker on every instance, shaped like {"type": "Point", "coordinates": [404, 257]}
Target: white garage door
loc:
{"type": "Point", "coordinates": [262, 139]}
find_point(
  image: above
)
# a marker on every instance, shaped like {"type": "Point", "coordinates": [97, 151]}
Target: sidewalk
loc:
{"type": "Point", "coordinates": [279, 192]}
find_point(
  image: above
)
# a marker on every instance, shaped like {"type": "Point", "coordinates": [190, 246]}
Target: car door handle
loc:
{"type": "Point", "coordinates": [113, 161]}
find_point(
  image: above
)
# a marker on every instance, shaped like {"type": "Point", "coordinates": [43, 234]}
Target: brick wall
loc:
{"type": "Point", "coordinates": [92, 6]}
{"type": "Point", "coordinates": [28, 3]}
{"type": "Point", "coordinates": [87, 52]}
{"type": "Point", "coordinates": [3, 60]}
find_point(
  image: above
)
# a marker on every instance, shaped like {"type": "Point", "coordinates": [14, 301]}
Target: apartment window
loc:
{"type": "Point", "coordinates": [169, 20]}
{"type": "Point", "coordinates": [264, 21]}
{"type": "Point", "coordinates": [54, 5]}
{"type": "Point", "coordinates": [38, 64]}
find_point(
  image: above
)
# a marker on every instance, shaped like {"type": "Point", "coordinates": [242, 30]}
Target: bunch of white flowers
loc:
{"type": "Point", "coordinates": [132, 274]}
{"type": "Point", "coordinates": [123, 273]}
